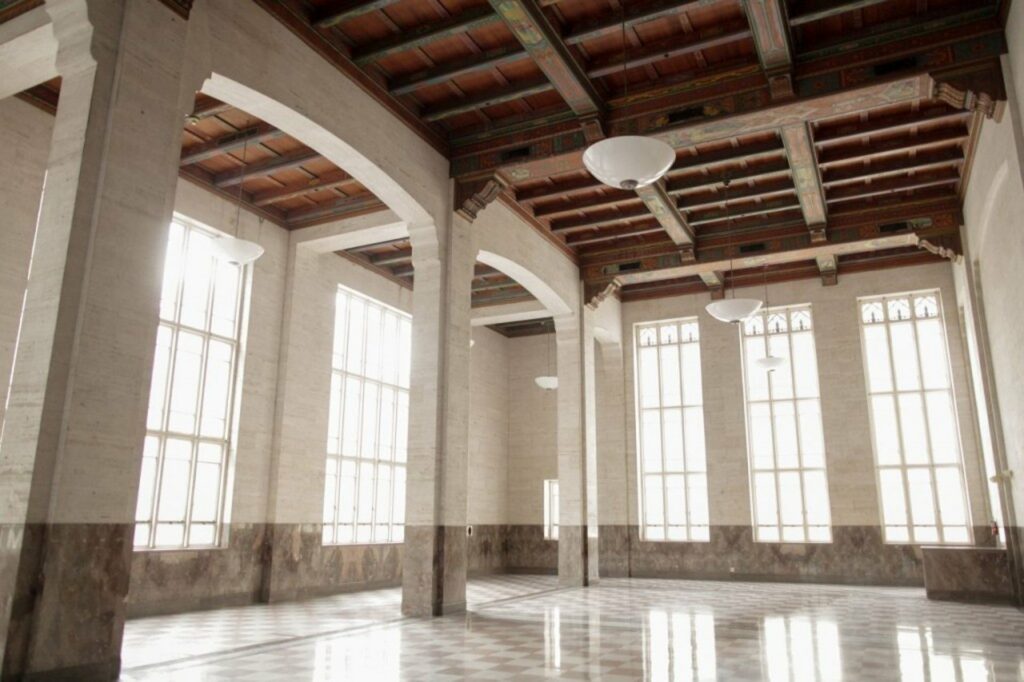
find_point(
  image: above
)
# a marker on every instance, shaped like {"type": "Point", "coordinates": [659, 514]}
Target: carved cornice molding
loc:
{"type": "Point", "coordinates": [610, 289]}
{"type": "Point", "coordinates": [473, 197]}
{"type": "Point", "coordinates": [968, 100]}
{"type": "Point", "coordinates": [941, 251]}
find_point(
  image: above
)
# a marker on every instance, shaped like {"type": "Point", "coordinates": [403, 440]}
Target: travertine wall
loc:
{"type": "Point", "coordinates": [25, 141]}
{"type": "Point", "coordinates": [994, 241]}
{"type": "Point", "coordinates": [488, 427]}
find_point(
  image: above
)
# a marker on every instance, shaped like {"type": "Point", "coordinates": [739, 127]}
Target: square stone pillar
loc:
{"type": "Point", "coordinates": [71, 449]}
{"type": "Point", "coordinates": [434, 561]}
{"type": "Point", "coordinates": [577, 454]}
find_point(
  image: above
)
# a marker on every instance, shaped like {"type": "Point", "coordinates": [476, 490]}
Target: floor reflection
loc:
{"type": "Point", "coordinates": [654, 630]}
{"type": "Point", "coordinates": [680, 646]}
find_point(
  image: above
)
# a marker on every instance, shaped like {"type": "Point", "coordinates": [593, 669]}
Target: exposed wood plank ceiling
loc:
{"type": "Point", "coordinates": [796, 123]}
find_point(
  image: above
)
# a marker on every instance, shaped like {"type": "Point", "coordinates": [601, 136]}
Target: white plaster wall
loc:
{"type": "Point", "coordinates": [261, 345]}
{"type": "Point", "coordinates": [850, 457]}
{"type": "Point", "coordinates": [994, 233]}
{"type": "Point", "coordinates": [488, 428]}
{"type": "Point", "coordinates": [25, 140]}
{"type": "Point", "coordinates": [533, 425]}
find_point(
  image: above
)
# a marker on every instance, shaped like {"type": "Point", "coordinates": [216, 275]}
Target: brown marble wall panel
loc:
{"type": "Point", "coordinates": [300, 566]}
{"type": "Point", "coordinates": [856, 556]}
{"type": "Point", "coordinates": [526, 550]}
{"type": "Point", "coordinates": [485, 550]}
{"type": "Point", "coordinates": [190, 580]}
{"type": "Point", "coordinates": [967, 574]}
{"type": "Point", "coordinates": [1015, 538]}
{"type": "Point", "coordinates": [68, 606]}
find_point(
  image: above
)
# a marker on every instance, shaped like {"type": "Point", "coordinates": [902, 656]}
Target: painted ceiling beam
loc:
{"type": "Point", "coordinates": [757, 208]}
{"type": "Point", "coordinates": [350, 9]}
{"type": "Point", "coordinates": [828, 268]}
{"type": "Point", "coordinates": [504, 94]}
{"type": "Point", "coordinates": [663, 207]}
{"type": "Point", "coordinates": [264, 167]}
{"type": "Point", "coordinates": [329, 180]}
{"type": "Point", "coordinates": [442, 73]}
{"type": "Point", "coordinates": [616, 234]}
{"type": "Point", "coordinates": [938, 136]}
{"type": "Point", "coordinates": [920, 180]}
{"type": "Point", "coordinates": [876, 168]}
{"type": "Point", "coordinates": [826, 135]}
{"type": "Point", "coordinates": [394, 258]}
{"type": "Point", "coordinates": [833, 11]}
{"type": "Point", "coordinates": [338, 208]}
{"type": "Point", "coordinates": [806, 177]}
{"type": "Point", "coordinates": [668, 48]}
{"type": "Point", "coordinates": [683, 163]}
{"type": "Point", "coordinates": [714, 280]}
{"type": "Point", "coordinates": [768, 23]}
{"type": "Point", "coordinates": [540, 39]}
{"type": "Point", "coordinates": [426, 34]}
{"type": "Point", "coordinates": [637, 12]}
{"type": "Point", "coordinates": [225, 144]}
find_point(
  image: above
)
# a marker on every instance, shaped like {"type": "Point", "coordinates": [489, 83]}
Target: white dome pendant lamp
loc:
{"type": "Point", "coordinates": [548, 382]}
{"type": "Point", "coordinates": [232, 249]}
{"type": "Point", "coordinates": [732, 310]}
{"type": "Point", "coordinates": [769, 363]}
{"type": "Point", "coordinates": [628, 161]}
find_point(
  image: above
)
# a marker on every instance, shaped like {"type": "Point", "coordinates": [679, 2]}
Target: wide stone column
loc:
{"type": "Point", "coordinates": [434, 561]}
{"type": "Point", "coordinates": [70, 454]}
{"type": "Point", "coordinates": [577, 454]}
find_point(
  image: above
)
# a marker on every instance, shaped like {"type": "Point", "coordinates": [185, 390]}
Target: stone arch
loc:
{"type": "Point", "coordinates": [540, 289]}
{"type": "Point", "coordinates": [240, 54]}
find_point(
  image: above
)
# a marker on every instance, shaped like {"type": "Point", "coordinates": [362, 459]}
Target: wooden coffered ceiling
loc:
{"type": "Point", "coordinates": [812, 137]}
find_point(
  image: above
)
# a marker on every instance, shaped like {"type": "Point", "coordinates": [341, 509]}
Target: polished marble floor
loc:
{"type": "Point", "coordinates": [617, 630]}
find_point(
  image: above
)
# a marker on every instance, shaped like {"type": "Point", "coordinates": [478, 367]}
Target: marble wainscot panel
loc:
{"type": "Point", "coordinates": [485, 549]}
{"type": "Point", "coordinates": [175, 581]}
{"type": "Point", "coordinates": [967, 574]}
{"type": "Point", "coordinates": [526, 550]}
{"type": "Point", "coordinates": [856, 556]}
{"type": "Point", "coordinates": [299, 565]}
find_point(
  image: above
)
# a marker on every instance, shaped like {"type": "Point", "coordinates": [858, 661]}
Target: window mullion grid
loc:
{"type": "Point", "coordinates": [775, 439]}
{"type": "Point", "coordinates": [662, 478]}
{"type": "Point", "coordinates": [682, 433]}
{"type": "Point", "coordinates": [930, 465]}
{"type": "Point", "coordinates": [796, 426]}
{"type": "Point", "coordinates": [639, 402]}
{"type": "Point", "coordinates": [903, 466]}
{"type": "Point", "coordinates": [342, 378]}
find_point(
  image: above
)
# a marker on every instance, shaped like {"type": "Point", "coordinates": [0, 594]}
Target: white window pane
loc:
{"type": "Point", "coordinates": [330, 498]}
{"type": "Point", "coordinates": [382, 505]}
{"type": "Point", "coordinates": [781, 381]}
{"type": "Point", "coordinates": [651, 440]}
{"type": "Point", "coordinates": [675, 500]}
{"type": "Point", "coordinates": [904, 355]}
{"type": "Point", "coordinates": [213, 423]}
{"type": "Point", "coordinates": [672, 438]}
{"type": "Point", "coordinates": [340, 329]}
{"type": "Point", "coordinates": [897, 534]}
{"type": "Point", "coordinates": [173, 262]}
{"type": "Point", "coordinates": [350, 421]}
{"type": "Point", "coordinates": [812, 441]}
{"type": "Point", "coordinates": [942, 426]}
{"type": "Point", "coordinates": [671, 393]}
{"type": "Point", "coordinates": [761, 447]}
{"type": "Point", "coordinates": [206, 492]}
{"type": "Point", "coordinates": [199, 265]}
{"type": "Point", "coordinates": [188, 363]}
{"type": "Point", "coordinates": [697, 498]}
{"type": "Point", "coordinates": [894, 507]}
{"type": "Point", "coordinates": [886, 430]}
{"type": "Point", "coordinates": [693, 432]}
{"type": "Point", "coordinates": [958, 534]}
{"type": "Point", "coordinates": [386, 437]}
{"type": "Point", "coordinates": [791, 498]}
{"type": "Point", "coordinates": [915, 439]}
{"type": "Point", "coordinates": [669, 333]}
{"type": "Point", "coordinates": [922, 501]}
{"type": "Point", "coordinates": [950, 491]}
{"type": "Point", "coordinates": [926, 534]}
{"type": "Point", "coordinates": [334, 417]}
{"type": "Point", "coordinates": [364, 507]}
{"type": "Point", "coordinates": [757, 378]}
{"type": "Point", "coordinates": [404, 352]}
{"type": "Point", "coordinates": [649, 378]}
{"type": "Point", "coordinates": [816, 498]}
{"type": "Point", "coordinates": [768, 534]}
{"type": "Point", "coordinates": [158, 386]}
{"type": "Point", "coordinates": [356, 336]}
{"type": "Point", "coordinates": [805, 365]}
{"type": "Point", "coordinates": [225, 299]}
{"type": "Point", "coordinates": [398, 500]}
{"type": "Point", "coordinates": [653, 501]}
{"type": "Point", "coordinates": [402, 427]}
{"type": "Point", "coordinates": [347, 493]}
{"type": "Point", "coordinates": [174, 482]}
{"type": "Point", "coordinates": [876, 353]}
{"type": "Point", "coordinates": [765, 499]}
{"type": "Point", "coordinates": [147, 483]}
{"type": "Point", "coordinates": [141, 538]}
{"type": "Point", "coordinates": [786, 454]}
{"type": "Point", "coordinates": [373, 346]}
{"type": "Point", "coordinates": [169, 534]}
{"type": "Point", "coordinates": [389, 349]}
{"type": "Point", "coordinates": [692, 381]}
{"type": "Point", "coordinates": [934, 363]}
{"type": "Point", "coordinates": [700, 533]}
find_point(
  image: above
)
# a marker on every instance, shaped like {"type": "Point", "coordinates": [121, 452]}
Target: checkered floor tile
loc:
{"type": "Point", "coordinates": [639, 629]}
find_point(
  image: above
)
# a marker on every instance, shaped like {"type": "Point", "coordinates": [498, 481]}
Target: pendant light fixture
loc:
{"type": "Point", "coordinates": [548, 382]}
{"type": "Point", "coordinates": [234, 249]}
{"type": "Point", "coordinates": [628, 161]}
{"type": "Point", "coordinates": [769, 363]}
{"type": "Point", "coordinates": [732, 310]}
